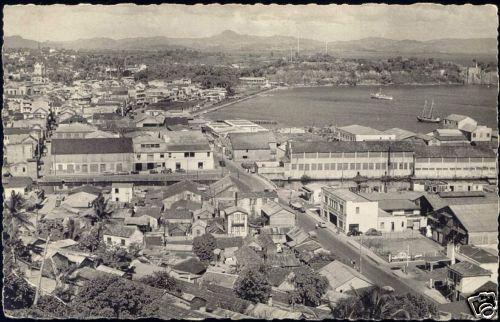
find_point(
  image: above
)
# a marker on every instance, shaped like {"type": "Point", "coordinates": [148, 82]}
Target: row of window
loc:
{"type": "Point", "coordinates": [93, 167]}
{"type": "Point", "coordinates": [454, 160]}
{"type": "Point", "coordinates": [150, 145]}
{"type": "Point", "coordinates": [351, 166]}
{"type": "Point", "coordinates": [345, 155]}
{"type": "Point", "coordinates": [150, 156]}
{"type": "Point", "coordinates": [457, 169]}
{"type": "Point", "coordinates": [336, 205]}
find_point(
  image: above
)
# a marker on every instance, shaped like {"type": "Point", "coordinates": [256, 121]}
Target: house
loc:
{"type": "Point", "coordinates": [312, 192]}
{"type": "Point", "coordinates": [177, 216]}
{"type": "Point", "coordinates": [206, 211]}
{"type": "Point", "coordinates": [189, 269]}
{"type": "Point", "coordinates": [478, 133]}
{"type": "Point", "coordinates": [21, 151]}
{"type": "Point", "coordinates": [123, 236]}
{"type": "Point", "coordinates": [348, 210]}
{"type": "Point", "coordinates": [464, 278]}
{"type": "Point", "coordinates": [144, 223]}
{"type": "Point", "coordinates": [259, 146]}
{"type": "Point", "coordinates": [91, 156]}
{"type": "Point", "coordinates": [465, 224]}
{"type": "Point", "coordinates": [398, 210]}
{"type": "Point", "coordinates": [73, 131]}
{"type": "Point", "coordinates": [147, 120]}
{"type": "Point", "coordinates": [362, 133]}
{"type": "Point", "coordinates": [237, 221]}
{"type": "Point", "coordinates": [122, 192]}
{"type": "Point", "coordinates": [253, 201]}
{"type": "Point", "coordinates": [188, 150]}
{"type": "Point", "coordinates": [18, 185]}
{"type": "Point", "coordinates": [184, 190]}
{"type": "Point", "coordinates": [342, 278]}
{"type": "Point", "coordinates": [278, 216]}
{"type": "Point", "coordinates": [227, 188]}
{"type": "Point", "coordinates": [80, 199]}
{"type": "Point", "coordinates": [458, 121]}
{"type": "Point", "coordinates": [401, 134]}
{"type": "Point", "coordinates": [479, 256]}
{"type": "Point", "coordinates": [199, 227]}
{"type": "Point", "coordinates": [247, 257]}
{"type": "Point", "coordinates": [450, 137]}
{"type": "Point", "coordinates": [296, 236]}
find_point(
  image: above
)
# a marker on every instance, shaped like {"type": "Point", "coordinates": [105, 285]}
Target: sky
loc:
{"type": "Point", "coordinates": [325, 23]}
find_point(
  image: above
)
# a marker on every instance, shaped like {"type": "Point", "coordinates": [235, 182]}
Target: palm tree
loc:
{"type": "Point", "coordinates": [14, 218]}
{"type": "Point", "coordinates": [375, 304]}
{"type": "Point", "coordinates": [101, 212]}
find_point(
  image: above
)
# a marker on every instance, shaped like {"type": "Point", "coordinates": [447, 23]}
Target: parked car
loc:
{"type": "Point", "coordinates": [134, 172]}
{"type": "Point", "coordinates": [164, 171]}
{"type": "Point", "coordinates": [321, 224]}
{"type": "Point", "coordinates": [373, 232]}
{"type": "Point", "coordinates": [353, 232]}
{"type": "Point", "coordinates": [180, 170]}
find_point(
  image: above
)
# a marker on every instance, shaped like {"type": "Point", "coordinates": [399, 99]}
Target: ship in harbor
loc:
{"type": "Point", "coordinates": [427, 115]}
{"type": "Point", "coordinates": [381, 96]}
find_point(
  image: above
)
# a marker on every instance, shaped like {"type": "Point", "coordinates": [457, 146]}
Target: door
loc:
{"type": "Point", "coordinates": [177, 166]}
{"type": "Point", "coordinates": [333, 219]}
{"type": "Point", "coordinates": [392, 225]}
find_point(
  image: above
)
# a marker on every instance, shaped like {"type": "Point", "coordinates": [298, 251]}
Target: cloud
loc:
{"type": "Point", "coordinates": [331, 22]}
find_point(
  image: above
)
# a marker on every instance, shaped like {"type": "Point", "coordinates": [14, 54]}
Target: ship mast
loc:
{"type": "Point", "coordinates": [432, 107]}
{"type": "Point", "coordinates": [425, 107]}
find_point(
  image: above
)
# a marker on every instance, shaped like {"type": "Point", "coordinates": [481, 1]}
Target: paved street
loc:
{"type": "Point", "coordinates": [252, 180]}
{"type": "Point", "coordinates": [369, 267]}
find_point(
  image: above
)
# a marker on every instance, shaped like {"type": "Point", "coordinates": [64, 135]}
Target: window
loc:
{"type": "Point", "coordinates": [346, 166]}
{"type": "Point", "coordinates": [189, 154]}
{"type": "Point", "coordinates": [122, 241]}
{"type": "Point", "coordinates": [93, 168]}
{"type": "Point", "coordinates": [162, 155]}
{"type": "Point", "coordinates": [208, 154]}
{"type": "Point", "coordinates": [377, 166]}
{"type": "Point", "coordinates": [119, 167]}
{"type": "Point", "coordinates": [294, 167]}
{"type": "Point", "coordinates": [332, 166]}
{"type": "Point", "coordinates": [370, 166]}
{"type": "Point", "coordinates": [59, 167]}
{"type": "Point", "coordinates": [306, 167]}
{"type": "Point", "coordinates": [170, 155]}
{"type": "Point", "coordinates": [402, 224]}
{"type": "Point", "coordinates": [117, 190]}
{"type": "Point", "coordinates": [353, 166]}
{"type": "Point", "coordinates": [313, 166]}
{"type": "Point", "coordinates": [327, 166]}
{"type": "Point", "coordinates": [138, 157]}
{"type": "Point", "coordinates": [301, 166]}
{"type": "Point", "coordinates": [102, 167]}
{"type": "Point", "coordinates": [320, 166]}
{"type": "Point", "coordinates": [200, 165]}
{"type": "Point", "coordinates": [381, 226]}
{"type": "Point", "coordinates": [357, 210]}
{"type": "Point", "coordinates": [365, 166]}
{"type": "Point", "coordinates": [358, 166]}
{"type": "Point", "coordinates": [405, 166]}
{"type": "Point", "coordinates": [109, 240]}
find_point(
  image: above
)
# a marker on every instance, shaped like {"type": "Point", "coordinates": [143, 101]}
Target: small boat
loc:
{"type": "Point", "coordinates": [428, 117]}
{"type": "Point", "coordinates": [381, 96]}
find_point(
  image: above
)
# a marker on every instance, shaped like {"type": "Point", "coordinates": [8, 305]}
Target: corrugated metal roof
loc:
{"type": "Point", "coordinates": [343, 146]}
{"type": "Point", "coordinates": [477, 218]}
{"type": "Point", "coordinates": [444, 151]}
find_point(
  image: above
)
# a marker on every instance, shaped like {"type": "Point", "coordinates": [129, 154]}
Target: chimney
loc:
{"type": "Point", "coordinates": [236, 198]}
{"type": "Point", "coordinates": [450, 252]}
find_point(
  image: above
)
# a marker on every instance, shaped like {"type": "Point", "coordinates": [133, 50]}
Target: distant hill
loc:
{"type": "Point", "coordinates": [230, 41]}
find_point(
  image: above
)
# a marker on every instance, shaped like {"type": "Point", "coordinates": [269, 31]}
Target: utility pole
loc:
{"type": "Point", "coordinates": [407, 258]}
{"type": "Point", "coordinates": [39, 284]}
{"type": "Point", "coordinates": [360, 253]}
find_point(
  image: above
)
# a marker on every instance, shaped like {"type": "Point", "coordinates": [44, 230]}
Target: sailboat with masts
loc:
{"type": "Point", "coordinates": [427, 116]}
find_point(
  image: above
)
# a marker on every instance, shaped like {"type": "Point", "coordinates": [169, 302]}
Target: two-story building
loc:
{"type": "Point", "coordinates": [188, 150]}
{"type": "Point", "coordinates": [259, 146]}
{"type": "Point", "coordinates": [237, 221]}
{"type": "Point", "coordinates": [278, 216]}
{"type": "Point", "coordinates": [122, 192]}
{"type": "Point", "coordinates": [91, 156]}
{"type": "Point", "coordinates": [122, 236]}
{"type": "Point", "coordinates": [349, 211]}
{"type": "Point", "coordinates": [346, 160]}
{"type": "Point", "coordinates": [464, 278]}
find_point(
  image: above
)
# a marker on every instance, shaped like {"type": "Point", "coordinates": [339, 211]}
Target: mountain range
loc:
{"type": "Point", "coordinates": [230, 41]}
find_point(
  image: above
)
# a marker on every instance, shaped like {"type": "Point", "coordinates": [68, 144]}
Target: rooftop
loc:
{"type": "Point", "coordinates": [456, 117]}
{"type": "Point", "coordinates": [469, 269]}
{"type": "Point", "coordinates": [397, 204]}
{"type": "Point", "coordinates": [400, 134]}
{"type": "Point", "coordinates": [444, 151]}
{"type": "Point", "coordinates": [478, 254]}
{"type": "Point", "coordinates": [477, 218]}
{"type": "Point", "coordinates": [343, 146]}
{"type": "Point", "coordinates": [119, 231]}
{"type": "Point", "coordinates": [360, 130]}
{"type": "Point", "coordinates": [91, 146]}
{"type": "Point", "coordinates": [346, 194]}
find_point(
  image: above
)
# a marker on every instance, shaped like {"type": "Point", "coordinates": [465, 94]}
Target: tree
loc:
{"type": "Point", "coordinates": [203, 247]}
{"type": "Point", "coordinates": [91, 240]}
{"type": "Point", "coordinates": [377, 304]}
{"type": "Point", "coordinates": [114, 297]}
{"type": "Point", "coordinates": [14, 218]}
{"type": "Point", "coordinates": [17, 293]}
{"type": "Point", "coordinates": [309, 286]}
{"type": "Point", "coordinates": [100, 213]}
{"type": "Point", "coordinates": [161, 279]}
{"type": "Point", "coordinates": [252, 285]}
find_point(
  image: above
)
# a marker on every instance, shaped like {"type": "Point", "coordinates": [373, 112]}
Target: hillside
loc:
{"type": "Point", "coordinates": [230, 41]}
